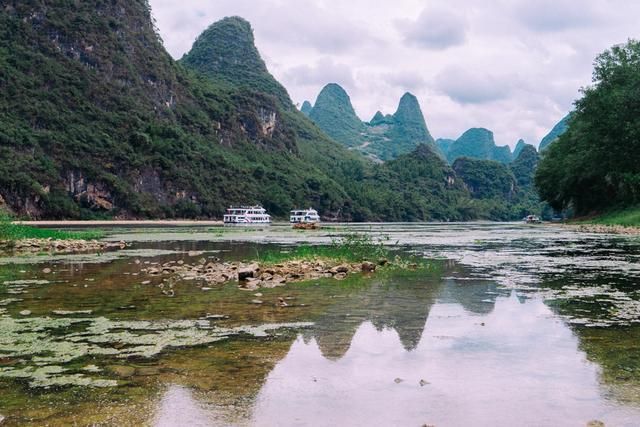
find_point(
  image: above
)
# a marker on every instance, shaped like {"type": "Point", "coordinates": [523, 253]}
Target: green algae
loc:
{"type": "Point", "coordinates": [43, 344]}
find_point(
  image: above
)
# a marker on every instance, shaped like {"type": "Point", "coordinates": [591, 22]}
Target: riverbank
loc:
{"type": "Point", "coordinates": [626, 221]}
{"type": "Point", "coordinates": [602, 228]}
{"type": "Point", "coordinates": [119, 222]}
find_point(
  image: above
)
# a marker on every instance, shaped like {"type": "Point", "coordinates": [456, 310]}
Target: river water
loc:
{"type": "Point", "coordinates": [512, 325]}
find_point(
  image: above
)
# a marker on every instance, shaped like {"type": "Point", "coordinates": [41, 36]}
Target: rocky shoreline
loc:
{"type": "Point", "coordinates": [29, 246]}
{"type": "Point", "coordinates": [251, 276]}
{"type": "Point", "coordinates": [603, 229]}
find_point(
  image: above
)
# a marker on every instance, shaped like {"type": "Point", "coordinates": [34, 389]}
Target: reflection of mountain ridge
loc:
{"type": "Point", "coordinates": [402, 305]}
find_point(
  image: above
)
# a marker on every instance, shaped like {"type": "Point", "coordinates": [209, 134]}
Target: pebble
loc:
{"type": "Point", "coordinates": [398, 380]}
{"type": "Point", "coordinates": [46, 270]}
{"type": "Point", "coordinates": [25, 312]}
{"type": "Point", "coordinates": [256, 301]}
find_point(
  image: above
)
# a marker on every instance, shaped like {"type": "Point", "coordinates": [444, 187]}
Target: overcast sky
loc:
{"type": "Point", "coordinates": [512, 66]}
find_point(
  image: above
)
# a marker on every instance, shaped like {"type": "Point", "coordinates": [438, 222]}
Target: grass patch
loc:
{"type": "Point", "coordinates": [626, 217]}
{"type": "Point", "coordinates": [350, 248]}
{"type": "Point", "coordinates": [12, 232]}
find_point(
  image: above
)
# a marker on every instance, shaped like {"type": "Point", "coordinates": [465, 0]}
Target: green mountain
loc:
{"type": "Point", "coordinates": [444, 145]}
{"type": "Point", "coordinates": [97, 120]}
{"type": "Point", "coordinates": [385, 137]}
{"type": "Point", "coordinates": [478, 143]}
{"type": "Point", "coordinates": [554, 134]}
{"type": "Point", "coordinates": [306, 108]}
{"type": "Point", "coordinates": [334, 114]}
{"type": "Point", "coordinates": [226, 53]}
{"type": "Point", "coordinates": [519, 146]}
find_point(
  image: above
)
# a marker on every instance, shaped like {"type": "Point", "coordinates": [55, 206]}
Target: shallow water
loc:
{"type": "Point", "coordinates": [516, 325]}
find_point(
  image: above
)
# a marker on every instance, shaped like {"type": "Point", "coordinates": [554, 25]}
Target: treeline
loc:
{"type": "Point", "coordinates": [595, 165]}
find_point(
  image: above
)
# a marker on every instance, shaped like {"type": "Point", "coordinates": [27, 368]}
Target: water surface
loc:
{"type": "Point", "coordinates": [513, 325]}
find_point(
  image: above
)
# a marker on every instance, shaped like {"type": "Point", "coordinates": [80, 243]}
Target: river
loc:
{"type": "Point", "coordinates": [512, 325]}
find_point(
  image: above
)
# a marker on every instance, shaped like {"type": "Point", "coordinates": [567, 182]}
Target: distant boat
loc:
{"type": "Point", "coordinates": [304, 216]}
{"type": "Point", "coordinates": [532, 219]}
{"type": "Point", "coordinates": [247, 215]}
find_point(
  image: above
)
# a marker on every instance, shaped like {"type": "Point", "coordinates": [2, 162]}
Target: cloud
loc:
{"type": "Point", "coordinates": [405, 80]}
{"type": "Point", "coordinates": [467, 86]}
{"type": "Point", "coordinates": [557, 15]}
{"type": "Point", "coordinates": [319, 74]}
{"type": "Point", "coordinates": [435, 28]}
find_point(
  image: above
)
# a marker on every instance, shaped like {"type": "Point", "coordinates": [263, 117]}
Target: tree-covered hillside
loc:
{"type": "Point", "coordinates": [595, 165]}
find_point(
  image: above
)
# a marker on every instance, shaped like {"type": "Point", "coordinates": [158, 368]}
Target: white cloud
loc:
{"type": "Point", "coordinates": [435, 28]}
{"type": "Point", "coordinates": [512, 66]}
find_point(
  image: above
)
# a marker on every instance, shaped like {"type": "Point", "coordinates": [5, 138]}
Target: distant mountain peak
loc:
{"type": "Point", "coordinates": [478, 143]}
{"type": "Point", "coordinates": [226, 51]}
{"type": "Point", "coordinates": [306, 108]}
{"type": "Point", "coordinates": [558, 129]}
{"type": "Point", "coordinates": [334, 114]}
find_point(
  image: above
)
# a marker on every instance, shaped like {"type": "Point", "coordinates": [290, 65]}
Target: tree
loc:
{"type": "Point", "coordinates": [595, 165]}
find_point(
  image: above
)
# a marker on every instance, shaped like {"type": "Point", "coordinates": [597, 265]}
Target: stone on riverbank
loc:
{"type": "Point", "coordinates": [251, 276]}
{"type": "Point", "coordinates": [61, 246]}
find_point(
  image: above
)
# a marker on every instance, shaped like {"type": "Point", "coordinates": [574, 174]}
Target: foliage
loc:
{"type": "Point", "coordinates": [629, 217]}
{"type": "Point", "coordinates": [500, 191]}
{"type": "Point", "coordinates": [593, 166]}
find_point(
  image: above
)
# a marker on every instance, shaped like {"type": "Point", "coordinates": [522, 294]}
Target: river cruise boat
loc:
{"type": "Point", "coordinates": [304, 216]}
{"type": "Point", "coordinates": [247, 215]}
{"type": "Point", "coordinates": [532, 219]}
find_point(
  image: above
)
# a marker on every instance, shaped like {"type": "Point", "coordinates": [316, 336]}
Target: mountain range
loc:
{"type": "Point", "coordinates": [99, 121]}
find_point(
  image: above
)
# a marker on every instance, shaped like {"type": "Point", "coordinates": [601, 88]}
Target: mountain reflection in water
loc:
{"type": "Point", "coordinates": [449, 353]}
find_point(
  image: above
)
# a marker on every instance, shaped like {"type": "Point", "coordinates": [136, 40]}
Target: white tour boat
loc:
{"type": "Point", "coordinates": [304, 216]}
{"type": "Point", "coordinates": [247, 215]}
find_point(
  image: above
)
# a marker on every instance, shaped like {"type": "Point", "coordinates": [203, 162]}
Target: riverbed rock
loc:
{"type": "Point", "coordinates": [25, 313]}
{"type": "Point", "coordinates": [248, 271]}
{"type": "Point", "coordinates": [368, 267]}
{"type": "Point", "coordinates": [46, 270]}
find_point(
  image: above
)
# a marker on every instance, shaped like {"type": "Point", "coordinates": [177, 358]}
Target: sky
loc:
{"type": "Point", "coordinates": [512, 66]}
